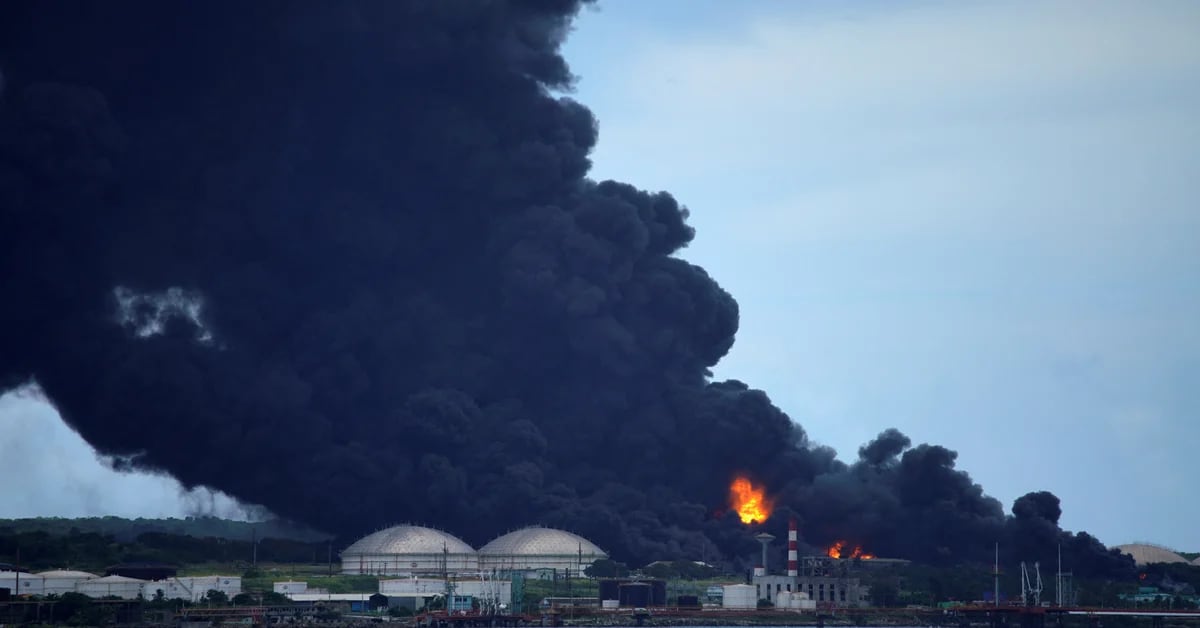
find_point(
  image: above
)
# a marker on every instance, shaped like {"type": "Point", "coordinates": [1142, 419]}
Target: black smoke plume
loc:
{"type": "Point", "coordinates": [343, 259]}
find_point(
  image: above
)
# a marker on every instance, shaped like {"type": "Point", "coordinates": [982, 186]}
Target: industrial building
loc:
{"type": "Point", "coordinates": [537, 548]}
{"type": "Point", "coordinates": [826, 582]}
{"type": "Point", "coordinates": [825, 591]}
{"type": "Point", "coordinates": [409, 550]}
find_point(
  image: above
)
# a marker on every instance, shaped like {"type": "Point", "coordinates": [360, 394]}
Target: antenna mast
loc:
{"type": "Point", "coordinates": [1031, 588]}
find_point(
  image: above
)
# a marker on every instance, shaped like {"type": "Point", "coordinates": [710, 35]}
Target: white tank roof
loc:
{"type": "Point", "coordinates": [408, 539]}
{"type": "Point", "coordinates": [537, 541]}
{"type": "Point", "coordinates": [66, 573]}
{"type": "Point", "coordinates": [115, 578]}
{"type": "Point", "coordinates": [1146, 554]}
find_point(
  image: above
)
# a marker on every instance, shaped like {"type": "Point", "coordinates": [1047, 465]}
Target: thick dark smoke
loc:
{"type": "Point", "coordinates": [342, 259]}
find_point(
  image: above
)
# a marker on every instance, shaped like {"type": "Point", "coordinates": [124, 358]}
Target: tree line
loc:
{"type": "Point", "coordinates": [129, 529]}
{"type": "Point", "coordinates": [93, 551]}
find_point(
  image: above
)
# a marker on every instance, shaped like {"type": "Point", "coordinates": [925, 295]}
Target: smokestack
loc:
{"type": "Point", "coordinates": [765, 539]}
{"type": "Point", "coordinates": [792, 569]}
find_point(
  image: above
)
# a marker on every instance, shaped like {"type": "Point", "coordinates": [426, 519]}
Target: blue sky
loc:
{"type": "Point", "coordinates": [975, 222]}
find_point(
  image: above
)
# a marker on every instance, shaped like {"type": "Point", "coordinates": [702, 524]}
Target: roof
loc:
{"type": "Point", "coordinates": [66, 573]}
{"type": "Point", "coordinates": [115, 579]}
{"type": "Point", "coordinates": [408, 539]}
{"type": "Point", "coordinates": [1197, 561]}
{"type": "Point", "coordinates": [330, 597]}
{"type": "Point", "coordinates": [537, 541]}
{"type": "Point", "coordinates": [1146, 554]}
{"type": "Point", "coordinates": [354, 597]}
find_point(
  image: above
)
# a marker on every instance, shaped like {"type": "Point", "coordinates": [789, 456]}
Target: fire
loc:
{"type": "Point", "coordinates": [836, 551]}
{"type": "Point", "coordinates": [751, 504]}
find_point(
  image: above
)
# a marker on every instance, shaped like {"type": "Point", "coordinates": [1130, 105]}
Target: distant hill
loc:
{"type": "Point", "coordinates": [126, 530]}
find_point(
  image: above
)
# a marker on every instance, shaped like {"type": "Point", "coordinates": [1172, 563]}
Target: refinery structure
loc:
{"type": "Point", "coordinates": [827, 581]}
{"type": "Point", "coordinates": [420, 559]}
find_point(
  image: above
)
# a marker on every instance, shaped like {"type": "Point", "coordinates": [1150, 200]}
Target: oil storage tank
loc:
{"type": "Point", "coordinates": [608, 589]}
{"type": "Point", "coordinates": [634, 594]}
{"type": "Point", "coordinates": [407, 550]}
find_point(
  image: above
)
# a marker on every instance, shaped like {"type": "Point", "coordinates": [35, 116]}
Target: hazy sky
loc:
{"type": "Point", "coordinates": [976, 222]}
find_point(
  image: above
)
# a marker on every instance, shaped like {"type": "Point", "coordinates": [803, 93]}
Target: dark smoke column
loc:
{"type": "Point", "coordinates": [343, 260]}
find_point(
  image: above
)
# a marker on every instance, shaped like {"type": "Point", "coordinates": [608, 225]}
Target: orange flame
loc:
{"type": "Point", "coordinates": [751, 504]}
{"type": "Point", "coordinates": [835, 551]}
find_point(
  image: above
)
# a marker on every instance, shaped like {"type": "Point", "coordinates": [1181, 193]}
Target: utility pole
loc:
{"type": "Point", "coordinates": [996, 577]}
{"type": "Point", "coordinates": [1058, 592]}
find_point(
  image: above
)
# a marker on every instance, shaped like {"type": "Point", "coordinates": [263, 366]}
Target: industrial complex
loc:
{"type": "Point", "coordinates": [427, 561]}
{"type": "Point", "coordinates": [432, 574]}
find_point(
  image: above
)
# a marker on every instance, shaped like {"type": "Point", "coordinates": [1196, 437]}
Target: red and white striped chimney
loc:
{"type": "Point", "coordinates": [792, 570]}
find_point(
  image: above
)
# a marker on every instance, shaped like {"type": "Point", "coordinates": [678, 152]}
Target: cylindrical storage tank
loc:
{"type": "Point", "coordinates": [608, 589]}
{"type": "Point", "coordinates": [609, 605]}
{"type": "Point", "coordinates": [634, 594]}
{"type": "Point", "coordinates": [658, 592]}
{"type": "Point", "coordinates": [740, 597]}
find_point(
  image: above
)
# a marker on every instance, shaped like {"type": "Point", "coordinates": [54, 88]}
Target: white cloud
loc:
{"type": "Point", "coordinates": [51, 472]}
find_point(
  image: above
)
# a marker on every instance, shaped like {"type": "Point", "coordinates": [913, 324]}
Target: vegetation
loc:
{"type": "Point", "coordinates": [93, 551]}
{"type": "Point", "coordinates": [126, 530]}
{"type": "Point", "coordinates": [921, 585]}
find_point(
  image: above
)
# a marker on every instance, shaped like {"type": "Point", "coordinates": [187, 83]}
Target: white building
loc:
{"type": "Point", "coordinates": [739, 597]}
{"type": "Point", "coordinates": [794, 601]}
{"type": "Point", "coordinates": [432, 586]}
{"type": "Point", "coordinates": [62, 581]}
{"type": "Point", "coordinates": [498, 591]}
{"type": "Point", "coordinates": [407, 550]}
{"type": "Point", "coordinates": [537, 548]}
